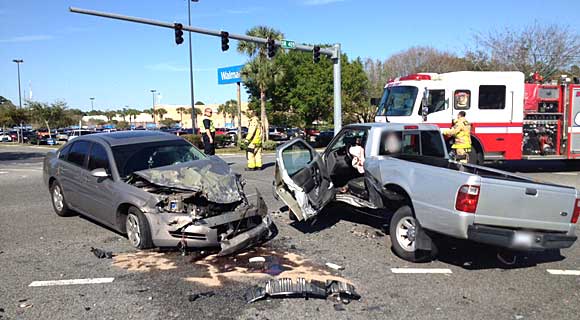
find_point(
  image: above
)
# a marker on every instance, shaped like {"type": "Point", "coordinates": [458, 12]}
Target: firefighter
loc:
{"type": "Point", "coordinates": [208, 132]}
{"type": "Point", "coordinates": [254, 142]}
{"type": "Point", "coordinates": [461, 132]}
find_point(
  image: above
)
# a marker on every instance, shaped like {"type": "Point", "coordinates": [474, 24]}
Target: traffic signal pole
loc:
{"type": "Point", "coordinates": [333, 52]}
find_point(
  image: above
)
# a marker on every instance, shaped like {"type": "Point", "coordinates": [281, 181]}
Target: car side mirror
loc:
{"type": "Point", "coordinates": [100, 173]}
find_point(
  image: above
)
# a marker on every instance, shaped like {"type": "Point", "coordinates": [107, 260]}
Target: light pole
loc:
{"type": "Point", "coordinates": [92, 107]}
{"type": "Point", "coordinates": [18, 62]}
{"type": "Point", "coordinates": [193, 115]}
{"type": "Point", "coordinates": [153, 113]}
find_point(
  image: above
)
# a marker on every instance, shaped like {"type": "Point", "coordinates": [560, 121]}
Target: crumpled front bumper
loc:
{"type": "Point", "coordinates": [251, 223]}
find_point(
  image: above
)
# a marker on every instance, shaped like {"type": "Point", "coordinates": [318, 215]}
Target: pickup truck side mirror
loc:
{"type": "Point", "coordinates": [100, 173]}
{"type": "Point", "coordinates": [424, 106]}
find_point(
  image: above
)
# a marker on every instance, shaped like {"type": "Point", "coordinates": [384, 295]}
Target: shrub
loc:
{"type": "Point", "coordinates": [269, 145]}
{"type": "Point", "coordinates": [195, 139]}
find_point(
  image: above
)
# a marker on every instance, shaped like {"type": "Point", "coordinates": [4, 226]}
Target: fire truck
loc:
{"type": "Point", "coordinates": [510, 119]}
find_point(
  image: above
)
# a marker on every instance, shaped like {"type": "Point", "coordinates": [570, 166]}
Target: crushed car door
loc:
{"type": "Point", "coordinates": [302, 180]}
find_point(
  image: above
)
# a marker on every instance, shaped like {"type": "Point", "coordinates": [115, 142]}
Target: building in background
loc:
{"type": "Point", "coordinates": [219, 120]}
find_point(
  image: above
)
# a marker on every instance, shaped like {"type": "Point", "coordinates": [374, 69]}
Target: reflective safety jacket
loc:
{"type": "Point", "coordinates": [204, 123]}
{"type": "Point", "coordinates": [254, 135]}
{"type": "Point", "coordinates": [461, 131]}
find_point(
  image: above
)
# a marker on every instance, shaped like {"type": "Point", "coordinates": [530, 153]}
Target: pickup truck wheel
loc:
{"type": "Point", "coordinates": [403, 233]}
{"type": "Point", "coordinates": [58, 200]}
{"type": "Point", "coordinates": [138, 231]}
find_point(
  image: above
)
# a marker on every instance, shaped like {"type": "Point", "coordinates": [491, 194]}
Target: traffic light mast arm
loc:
{"type": "Point", "coordinates": [331, 52]}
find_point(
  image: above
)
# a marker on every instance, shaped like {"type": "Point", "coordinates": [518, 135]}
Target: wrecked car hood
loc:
{"type": "Point", "coordinates": [212, 177]}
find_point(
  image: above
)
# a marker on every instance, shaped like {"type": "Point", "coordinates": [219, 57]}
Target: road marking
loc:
{"type": "Point", "coordinates": [567, 173]}
{"type": "Point", "coordinates": [70, 282]}
{"type": "Point", "coordinates": [564, 272]}
{"type": "Point", "coordinates": [420, 270]}
{"type": "Point", "coordinates": [3, 172]}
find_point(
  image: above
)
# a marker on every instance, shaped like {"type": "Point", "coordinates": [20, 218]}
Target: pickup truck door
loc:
{"type": "Point", "coordinates": [302, 180]}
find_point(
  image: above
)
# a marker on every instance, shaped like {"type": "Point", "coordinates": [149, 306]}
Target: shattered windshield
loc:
{"type": "Point", "coordinates": [143, 156]}
{"type": "Point", "coordinates": [397, 101]}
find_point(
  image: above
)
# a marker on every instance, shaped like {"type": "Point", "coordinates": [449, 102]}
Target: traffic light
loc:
{"type": "Point", "coordinates": [271, 44]}
{"type": "Point", "coordinates": [178, 33]}
{"type": "Point", "coordinates": [225, 40]}
{"type": "Point", "coordinates": [316, 54]}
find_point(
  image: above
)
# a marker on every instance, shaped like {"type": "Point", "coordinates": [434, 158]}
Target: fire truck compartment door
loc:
{"type": "Point", "coordinates": [575, 121]}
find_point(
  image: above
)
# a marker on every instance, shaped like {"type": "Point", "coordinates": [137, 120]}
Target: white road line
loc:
{"type": "Point", "coordinates": [70, 282]}
{"type": "Point", "coordinates": [564, 272]}
{"type": "Point", "coordinates": [567, 173]}
{"type": "Point", "coordinates": [420, 270]}
{"type": "Point", "coordinates": [3, 172]}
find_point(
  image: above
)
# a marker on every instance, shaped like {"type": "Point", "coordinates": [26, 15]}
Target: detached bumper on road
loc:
{"type": "Point", "coordinates": [232, 231]}
{"type": "Point", "coordinates": [519, 240]}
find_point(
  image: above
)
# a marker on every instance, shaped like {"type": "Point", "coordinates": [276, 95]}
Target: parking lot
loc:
{"type": "Point", "coordinates": [467, 280]}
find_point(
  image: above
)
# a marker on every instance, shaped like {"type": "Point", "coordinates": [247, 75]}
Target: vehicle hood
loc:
{"type": "Point", "coordinates": [212, 177]}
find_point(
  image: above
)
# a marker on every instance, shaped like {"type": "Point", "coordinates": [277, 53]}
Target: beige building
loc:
{"type": "Point", "coordinates": [219, 120]}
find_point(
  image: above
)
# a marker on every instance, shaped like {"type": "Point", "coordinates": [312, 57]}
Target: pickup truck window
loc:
{"type": "Point", "coordinates": [431, 144]}
{"type": "Point", "coordinates": [398, 101]}
{"type": "Point", "coordinates": [348, 138]}
{"type": "Point", "coordinates": [410, 145]}
{"type": "Point", "coordinates": [296, 157]}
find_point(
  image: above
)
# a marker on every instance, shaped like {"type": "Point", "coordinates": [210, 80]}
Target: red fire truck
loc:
{"type": "Point", "coordinates": [511, 119]}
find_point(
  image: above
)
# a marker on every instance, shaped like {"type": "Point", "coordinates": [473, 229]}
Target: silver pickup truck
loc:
{"type": "Point", "coordinates": [408, 177]}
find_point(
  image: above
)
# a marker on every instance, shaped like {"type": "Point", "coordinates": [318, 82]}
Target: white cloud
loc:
{"type": "Point", "coordinates": [27, 38]}
{"type": "Point", "coordinates": [320, 2]}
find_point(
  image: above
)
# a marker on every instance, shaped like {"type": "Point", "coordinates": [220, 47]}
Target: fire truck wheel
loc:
{"type": "Point", "coordinates": [476, 156]}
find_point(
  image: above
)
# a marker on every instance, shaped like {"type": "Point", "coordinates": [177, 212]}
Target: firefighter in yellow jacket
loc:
{"type": "Point", "coordinates": [254, 141]}
{"type": "Point", "coordinates": [461, 132]}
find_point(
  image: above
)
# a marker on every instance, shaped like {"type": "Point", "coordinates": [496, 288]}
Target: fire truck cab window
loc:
{"type": "Point", "coordinates": [462, 99]}
{"type": "Point", "coordinates": [436, 101]}
{"type": "Point", "coordinates": [491, 97]}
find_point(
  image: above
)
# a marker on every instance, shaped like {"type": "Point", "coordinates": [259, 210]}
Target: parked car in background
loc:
{"type": "Point", "coordinates": [79, 133]}
{"type": "Point", "coordinates": [295, 133]}
{"type": "Point", "coordinates": [62, 135]}
{"type": "Point", "coordinates": [233, 134]}
{"type": "Point", "coordinates": [323, 139]}
{"type": "Point", "coordinates": [311, 133]}
{"type": "Point", "coordinates": [277, 134]}
{"type": "Point", "coordinates": [40, 140]}
{"type": "Point", "coordinates": [5, 137]}
{"type": "Point", "coordinates": [221, 131]}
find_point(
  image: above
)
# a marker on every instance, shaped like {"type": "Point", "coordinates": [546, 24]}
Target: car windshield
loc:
{"type": "Point", "coordinates": [398, 101]}
{"type": "Point", "coordinates": [143, 156]}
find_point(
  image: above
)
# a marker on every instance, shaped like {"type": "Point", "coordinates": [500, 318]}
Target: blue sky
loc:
{"type": "Point", "coordinates": [73, 57]}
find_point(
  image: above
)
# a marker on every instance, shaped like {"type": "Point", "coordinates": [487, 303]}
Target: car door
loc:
{"type": "Point", "coordinates": [70, 173]}
{"type": "Point", "coordinates": [97, 193]}
{"type": "Point", "coordinates": [302, 180]}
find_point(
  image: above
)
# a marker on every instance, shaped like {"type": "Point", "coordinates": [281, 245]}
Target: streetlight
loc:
{"type": "Point", "coordinates": [92, 107]}
{"type": "Point", "coordinates": [18, 62]}
{"type": "Point", "coordinates": [193, 115]}
{"type": "Point", "coordinates": [153, 113]}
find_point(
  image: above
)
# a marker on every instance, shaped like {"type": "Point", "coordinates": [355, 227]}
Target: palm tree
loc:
{"type": "Point", "coordinates": [222, 109]}
{"type": "Point", "coordinates": [123, 113]}
{"type": "Point", "coordinates": [181, 111]}
{"type": "Point", "coordinates": [232, 110]}
{"type": "Point", "coordinates": [260, 69]}
{"type": "Point", "coordinates": [110, 115]}
{"type": "Point", "coordinates": [160, 112]}
{"type": "Point", "coordinates": [150, 112]}
{"type": "Point", "coordinates": [133, 113]}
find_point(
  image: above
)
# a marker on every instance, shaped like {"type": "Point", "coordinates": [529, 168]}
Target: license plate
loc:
{"type": "Point", "coordinates": [523, 239]}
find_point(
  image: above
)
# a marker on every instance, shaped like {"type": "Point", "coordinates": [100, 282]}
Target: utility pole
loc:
{"type": "Point", "coordinates": [153, 106]}
{"type": "Point", "coordinates": [92, 107]}
{"type": "Point", "coordinates": [193, 115]}
{"type": "Point", "coordinates": [333, 52]}
{"type": "Point", "coordinates": [18, 62]}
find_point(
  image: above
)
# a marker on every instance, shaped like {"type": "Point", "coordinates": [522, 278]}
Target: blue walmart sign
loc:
{"type": "Point", "coordinates": [230, 74]}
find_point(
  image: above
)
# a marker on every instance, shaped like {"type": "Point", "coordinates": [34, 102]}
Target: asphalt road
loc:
{"type": "Point", "coordinates": [37, 245]}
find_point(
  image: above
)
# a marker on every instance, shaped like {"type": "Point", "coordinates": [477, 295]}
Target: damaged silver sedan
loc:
{"type": "Point", "coordinates": [158, 189]}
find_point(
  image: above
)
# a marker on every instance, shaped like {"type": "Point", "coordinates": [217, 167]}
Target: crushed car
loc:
{"type": "Point", "coordinates": [158, 189]}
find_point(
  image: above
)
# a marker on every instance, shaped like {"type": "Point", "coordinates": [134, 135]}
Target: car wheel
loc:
{"type": "Point", "coordinates": [58, 200]}
{"type": "Point", "coordinates": [137, 228]}
{"type": "Point", "coordinates": [403, 232]}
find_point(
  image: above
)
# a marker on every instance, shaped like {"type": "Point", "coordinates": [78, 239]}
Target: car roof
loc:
{"type": "Point", "coordinates": [120, 138]}
{"type": "Point", "coordinates": [393, 126]}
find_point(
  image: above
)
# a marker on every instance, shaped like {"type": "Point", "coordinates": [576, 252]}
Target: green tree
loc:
{"type": "Point", "coordinates": [53, 115]}
{"type": "Point", "coordinates": [110, 115]}
{"type": "Point", "coordinates": [260, 70]}
{"type": "Point", "coordinates": [123, 113]}
{"type": "Point", "coordinates": [133, 113]}
{"type": "Point", "coordinates": [150, 112]}
{"type": "Point", "coordinates": [181, 111]}
{"type": "Point", "coordinates": [123, 125]}
{"type": "Point", "coordinates": [199, 103]}
{"type": "Point", "coordinates": [168, 122]}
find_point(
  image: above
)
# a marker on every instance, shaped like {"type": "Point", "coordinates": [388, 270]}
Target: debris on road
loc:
{"type": "Point", "coordinates": [102, 254]}
{"type": "Point", "coordinates": [302, 288]}
{"type": "Point", "coordinates": [25, 305]}
{"type": "Point", "coordinates": [339, 307]}
{"type": "Point", "coordinates": [195, 296]}
{"type": "Point", "coordinates": [334, 266]}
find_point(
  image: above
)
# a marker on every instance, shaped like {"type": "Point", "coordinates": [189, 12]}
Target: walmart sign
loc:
{"type": "Point", "coordinates": [230, 74]}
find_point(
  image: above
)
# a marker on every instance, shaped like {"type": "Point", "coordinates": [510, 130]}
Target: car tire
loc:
{"type": "Point", "coordinates": [59, 201]}
{"type": "Point", "coordinates": [403, 232]}
{"type": "Point", "coordinates": [137, 229]}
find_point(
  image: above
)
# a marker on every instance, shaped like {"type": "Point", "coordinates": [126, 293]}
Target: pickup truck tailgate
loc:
{"type": "Point", "coordinates": [519, 204]}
